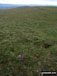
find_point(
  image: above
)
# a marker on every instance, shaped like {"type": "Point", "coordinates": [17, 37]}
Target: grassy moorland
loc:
{"type": "Point", "coordinates": [32, 33]}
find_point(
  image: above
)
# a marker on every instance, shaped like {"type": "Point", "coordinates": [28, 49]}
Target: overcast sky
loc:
{"type": "Point", "coordinates": [39, 2]}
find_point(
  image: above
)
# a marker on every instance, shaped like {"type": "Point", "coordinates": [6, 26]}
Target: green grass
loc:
{"type": "Point", "coordinates": [26, 31]}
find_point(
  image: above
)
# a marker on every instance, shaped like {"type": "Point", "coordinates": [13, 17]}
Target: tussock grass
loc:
{"type": "Point", "coordinates": [32, 33]}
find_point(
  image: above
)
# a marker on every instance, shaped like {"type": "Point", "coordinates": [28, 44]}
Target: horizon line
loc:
{"type": "Point", "coordinates": [30, 4]}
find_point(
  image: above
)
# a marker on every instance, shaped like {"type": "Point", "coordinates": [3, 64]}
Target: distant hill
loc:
{"type": "Point", "coordinates": [3, 6]}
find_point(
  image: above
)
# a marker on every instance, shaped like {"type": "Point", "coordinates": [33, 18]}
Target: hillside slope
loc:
{"type": "Point", "coordinates": [32, 33]}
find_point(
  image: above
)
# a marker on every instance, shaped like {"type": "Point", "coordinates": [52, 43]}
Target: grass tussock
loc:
{"type": "Point", "coordinates": [28, 41]}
